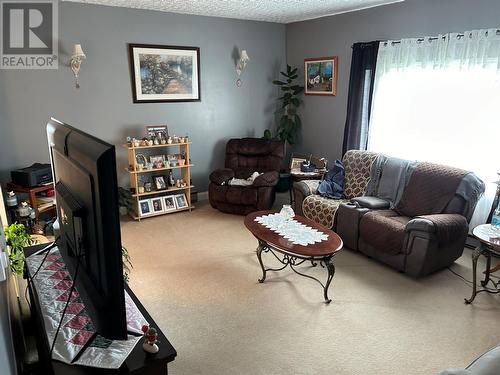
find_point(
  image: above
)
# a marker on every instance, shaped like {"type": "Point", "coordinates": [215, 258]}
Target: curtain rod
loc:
{"type": "Point", "coordinates": [436, 38]}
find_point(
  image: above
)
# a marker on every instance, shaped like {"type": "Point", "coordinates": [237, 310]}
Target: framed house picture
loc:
{"type": "Point", "coordinates": [169, 203]}
{"type": "Point", "coordinates": [157, 205]}
{"type": "Point", "coordinates": [320, 76]}
{"type": "Point", "coordinates": [145, 207]}
{"type": "Point", "coordinates": [180, 201]}
{"type": "Point", "coordinates": [164, 73]}
{"type": "Point", "coordinates": [160, 182]}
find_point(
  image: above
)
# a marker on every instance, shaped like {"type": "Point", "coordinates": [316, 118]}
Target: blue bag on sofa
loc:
{"type": "Point", "coordinates": [332, 185]}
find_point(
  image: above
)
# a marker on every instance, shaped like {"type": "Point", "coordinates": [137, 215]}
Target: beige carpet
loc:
{"type": "Point", "coordinates": [197, 274]}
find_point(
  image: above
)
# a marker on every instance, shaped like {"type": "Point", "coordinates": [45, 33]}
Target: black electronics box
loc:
{"type": "Point", "coordinates": [37, 174]}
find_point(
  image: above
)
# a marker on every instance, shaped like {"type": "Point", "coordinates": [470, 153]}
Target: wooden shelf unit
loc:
{"type": "Point", "coordinates": [185, 171]}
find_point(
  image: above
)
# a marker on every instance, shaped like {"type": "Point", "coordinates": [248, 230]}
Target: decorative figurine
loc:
{"type": "Point", "coordinates": [150, 339]}
{"type": "Point", "coordinates": [169, 140]}
{"type": "Point", "coordinates": [163, 141]}
{"type": "Point", "coordinates": [287, 212]}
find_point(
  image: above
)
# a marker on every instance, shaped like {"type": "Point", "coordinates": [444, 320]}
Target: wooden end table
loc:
{"type": "Point", "coordinates": [31, 192]}
{"type": "Point", "coordinates": [489, 243]}
{"type": "Point", "coordinates": [293, 255]}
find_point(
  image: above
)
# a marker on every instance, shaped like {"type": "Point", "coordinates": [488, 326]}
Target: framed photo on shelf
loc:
{"type": "Point", "coordinates": [295, 162]}
{"type": "Point", "coordinates": [145, 207]}
{"type": "Point", "coordinates": [164, 73]}
{"type": "Point", "coordinates": [169, 203]}
{"type": "Point", "coordinates": [320, 76]}
{"type": "Point", "coordinates": [180, 201]}
{"type": "Point", "coordinates": [160, 131]}
{"type": "Point", "coordinates": [160, 182]}
{"type": "Point", "coordinates": [157, 205]}
{"type": "Point", "coordinates": [156, 158]}
{"type": "Point", "coordinates": [157, 161]}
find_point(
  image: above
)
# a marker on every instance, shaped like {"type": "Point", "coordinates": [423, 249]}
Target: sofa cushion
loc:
{"type": "Point", "coordinates": [321, 210]}
{"type": "Point", "coordinates": [430, 189]}
{"type": "Point", "coordinates": [384, 230]}
{"type": "Point", "coordinates": [357, 166]}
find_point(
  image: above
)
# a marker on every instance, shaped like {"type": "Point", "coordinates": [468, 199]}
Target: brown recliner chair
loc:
{"type": "Point", "coordinates": [243, 157]}
{"type": "Point", "coordinates": [427, 229]}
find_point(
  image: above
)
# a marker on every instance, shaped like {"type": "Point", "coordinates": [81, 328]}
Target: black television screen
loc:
{"type": "Point", "coordinates": [84, 170]}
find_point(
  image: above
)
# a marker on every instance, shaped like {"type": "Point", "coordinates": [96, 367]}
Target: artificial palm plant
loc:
{"type": "Point", "coordinates": [289, 121]}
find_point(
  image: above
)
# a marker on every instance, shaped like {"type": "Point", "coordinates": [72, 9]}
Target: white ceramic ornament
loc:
{"type": "Point", "coordinates": [150, 348]}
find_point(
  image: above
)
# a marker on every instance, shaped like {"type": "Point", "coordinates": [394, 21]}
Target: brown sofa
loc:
{"type": "Point", "coordinates": [420, 232]}
{"type": "Point", "coordinates": [243, 157]}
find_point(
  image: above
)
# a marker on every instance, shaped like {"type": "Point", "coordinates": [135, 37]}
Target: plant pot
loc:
{"type": "Point", "coordinates": [283, 183]}
{"type": "Point", "coordinates": [181, 162]}
{"type": "Point", "coordinates": [123, 210]}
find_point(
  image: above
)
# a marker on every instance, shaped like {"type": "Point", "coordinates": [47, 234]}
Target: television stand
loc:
{"type": "Point", "coordinates": [138, 362]}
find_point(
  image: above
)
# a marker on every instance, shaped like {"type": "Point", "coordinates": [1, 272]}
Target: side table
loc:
{"type": "Point", "coordinates": [31, 193]}
{"type": "Point", "coordinates": [300, 176]}
{"type": "Point", "coordinates": [489, 243]}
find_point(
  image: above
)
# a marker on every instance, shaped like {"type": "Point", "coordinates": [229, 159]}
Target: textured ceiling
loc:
{"type": "Point", "coordinates": [281, 11]}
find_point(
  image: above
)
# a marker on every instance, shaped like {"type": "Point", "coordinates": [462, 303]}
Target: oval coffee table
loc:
{"type": "Point", "coordinates": [292, 254]}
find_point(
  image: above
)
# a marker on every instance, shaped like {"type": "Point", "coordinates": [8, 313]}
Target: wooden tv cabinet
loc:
{"type": "Point", "coordinates": [138, 362]}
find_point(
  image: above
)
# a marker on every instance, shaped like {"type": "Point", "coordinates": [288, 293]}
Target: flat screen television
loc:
{"type": "Point", "coordinates": [84, 171]}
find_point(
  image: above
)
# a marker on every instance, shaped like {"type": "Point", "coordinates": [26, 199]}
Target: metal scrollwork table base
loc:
{"type": "Point", "coordinates": [489, 243]}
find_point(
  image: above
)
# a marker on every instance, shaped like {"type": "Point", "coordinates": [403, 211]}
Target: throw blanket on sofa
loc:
{"type": "Point", "coordinates": [429, 190]}
{"type": "Point", "coordinates": [389, 177]}
{"type": "Point", "coordinates": [332, 185]}
{"type": "Point", "coordinates": [471, 188]}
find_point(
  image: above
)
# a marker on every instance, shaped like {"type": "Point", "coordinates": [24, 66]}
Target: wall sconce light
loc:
{"type": "Point", "coordinates": [76, 61]}
{"type": "Point", "coordinates": [240, 65]}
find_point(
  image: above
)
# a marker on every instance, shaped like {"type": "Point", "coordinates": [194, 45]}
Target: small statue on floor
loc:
{"type": "Point", "coordinates": [150, 339]}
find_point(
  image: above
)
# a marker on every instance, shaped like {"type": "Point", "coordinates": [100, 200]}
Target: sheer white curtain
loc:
{"type": "Point", "coordinates": [438, 99]}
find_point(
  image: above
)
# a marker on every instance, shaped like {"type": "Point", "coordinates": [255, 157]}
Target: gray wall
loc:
{"type": "Point", "coordinates": [323, 118]}
{"type": "Point", "coordinates": [103, 105]}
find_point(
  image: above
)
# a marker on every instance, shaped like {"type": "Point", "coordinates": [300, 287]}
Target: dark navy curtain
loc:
{"type": "Point", "coordinates": [364, 60]}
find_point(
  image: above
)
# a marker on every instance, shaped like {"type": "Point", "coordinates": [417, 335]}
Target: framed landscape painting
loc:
{"type": "Point", "coordinates": [165, 73]}
{"type": "Point", "coordinates": [320, 75]}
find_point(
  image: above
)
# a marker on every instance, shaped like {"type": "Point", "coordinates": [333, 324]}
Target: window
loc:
{"type": "Point", "coordinates": [440, 102]}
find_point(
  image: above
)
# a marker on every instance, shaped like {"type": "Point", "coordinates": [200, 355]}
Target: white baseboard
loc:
{"type": "Point", "coordinates": [203, 196]}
